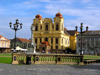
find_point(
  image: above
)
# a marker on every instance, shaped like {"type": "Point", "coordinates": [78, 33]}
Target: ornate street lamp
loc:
{"type": "Point", "coordinates": [15, 27]}
{"type": "Point", "coordinates": [81, 28]}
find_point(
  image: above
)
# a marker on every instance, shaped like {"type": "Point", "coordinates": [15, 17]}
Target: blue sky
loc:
{"type": "Point", "coordinates": [73, 11]}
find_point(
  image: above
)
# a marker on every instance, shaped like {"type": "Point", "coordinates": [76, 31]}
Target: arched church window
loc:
{"type": "Point", "coordinates": [57, 27]}
{"type": "Point", "coordinates": [51, 40]}
{"type": "Point", "coordinates": [46, 39]}
{"type": "Point", "coordinates": [36, 28]}
{"type": "Point", "coordinates": [35, 40]}
{"type": "Point", "coordinates": [46, 27]}
{"type": "Point", "coordinates": [56, 40]}
{"type": "Point", "coordinates": [41, 27]}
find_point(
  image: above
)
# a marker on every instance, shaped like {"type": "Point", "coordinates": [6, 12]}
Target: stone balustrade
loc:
{"type": "Point", "coordinates": [21, 58]}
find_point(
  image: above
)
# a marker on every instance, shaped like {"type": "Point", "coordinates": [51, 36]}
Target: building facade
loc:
{"type": "Point", "coordinates": [4, 44]}
{"type": "Point", "coordinates": [54, 33]}
{"type": "Point", "coordinates": [90, 42]}
{"type": "Point", "coordinates": [21, 42]}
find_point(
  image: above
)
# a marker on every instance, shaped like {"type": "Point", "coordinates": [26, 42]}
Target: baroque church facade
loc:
{"type": "Point", "coordinates": [58, 37]}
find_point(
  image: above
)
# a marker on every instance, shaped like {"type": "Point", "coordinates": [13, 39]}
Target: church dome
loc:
{"type": "Point", "coordinates": [59, 15]}
{"type": "Point", "coordinates": [38, 16]}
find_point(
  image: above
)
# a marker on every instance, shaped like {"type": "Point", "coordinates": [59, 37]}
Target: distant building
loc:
{"type": "Point", "coordinates": [4, 44]}
{"type": "Point", "coordinates": [58, 37]}
{"type": "Point", "coordinates": [21, 42]}
{"type": "Point", "coordinates": [90, 42]}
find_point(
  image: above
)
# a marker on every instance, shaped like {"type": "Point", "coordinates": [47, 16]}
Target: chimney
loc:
{"type": "Point", "coordinates": [87, 28]}
{"type": "Point", "coordinates": [76, 28]}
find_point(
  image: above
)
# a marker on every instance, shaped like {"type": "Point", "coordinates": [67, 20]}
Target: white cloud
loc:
{"type": "Point", "coordinates": [45, 0]}
{"type": "Point", "coordinates": [91, 21]}
{"type": "Point", "coordinates": [86, 1]}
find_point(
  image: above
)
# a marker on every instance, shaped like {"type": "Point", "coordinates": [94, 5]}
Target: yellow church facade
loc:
{"type": "Point", "coordinates": [58, 37]}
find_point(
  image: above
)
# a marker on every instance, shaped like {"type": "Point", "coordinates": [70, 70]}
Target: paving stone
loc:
{"type": "Point", "coordinates": [9, 69]}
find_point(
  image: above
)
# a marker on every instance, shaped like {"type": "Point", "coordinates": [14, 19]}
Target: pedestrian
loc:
{"type": "Point", "coordinates": [43, 51]}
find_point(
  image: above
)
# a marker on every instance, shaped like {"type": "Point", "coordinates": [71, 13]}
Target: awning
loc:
{"type": "Point", "coordinates": [23, 49]}
{"type": "Point", "coordinates": [17, 48]}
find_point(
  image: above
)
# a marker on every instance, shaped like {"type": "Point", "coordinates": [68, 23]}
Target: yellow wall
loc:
{"type": "Point", "coordinates": [4, 44]}
{"type": "Point", "coordinates": [53, 33]}
{"type": "Point", "coordinates": [73, 42]}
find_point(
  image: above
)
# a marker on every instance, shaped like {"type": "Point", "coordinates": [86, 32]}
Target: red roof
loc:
{"type": "Point", "coordinates": [59, 15]}
{"type": "Point", "coordinates": [0, 36]}
{"type": "Point", "coordinates": [23, 40]}
{"type": "Point", "coordinates": [38, 16]}
{"type": "Point", "coordinates": [46, 43]}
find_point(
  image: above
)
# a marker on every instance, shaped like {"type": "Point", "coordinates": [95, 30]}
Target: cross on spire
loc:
{"type": "Point", "coordinates": [58, 10]}
{"type": "Point", "coordinates": [38, 12]}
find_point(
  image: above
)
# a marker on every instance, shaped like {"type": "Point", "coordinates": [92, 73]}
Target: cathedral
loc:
{"type": "Point", "coordinates": [58, 37]}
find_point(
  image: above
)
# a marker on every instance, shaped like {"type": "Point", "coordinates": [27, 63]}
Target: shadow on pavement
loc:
{"type": "Point", "coordinates": [95, 66]}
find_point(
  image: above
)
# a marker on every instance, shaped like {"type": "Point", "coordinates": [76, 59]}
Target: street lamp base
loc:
{"type": "Point", "coordinates": [14, 51]}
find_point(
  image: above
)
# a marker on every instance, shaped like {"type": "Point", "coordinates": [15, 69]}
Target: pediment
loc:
{"type": "Point", "coordinates": [2, 38]}
{"type": "Point", "coordinates": [47, 20]}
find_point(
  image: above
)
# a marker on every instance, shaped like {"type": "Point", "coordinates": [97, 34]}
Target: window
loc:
{"type": "Point", "coordinates": [96, 44]}
{"type": "Point", "coordinates": [56, 47]}
{"type": "Point", "coordinates": [88, 45]}
{"type": "Point", "coordinates": [61, 47]}
{"type": "Point", "coordinates": [2, 44]}
{"type": "Point", "coordinates": [36, 40]}
{"type": "Point", "coordinates": [78, 39]}
{"type": "Point", "coordinates": [78, 44]}
{"type": "Point", "coordinates": [87, 39]}
{"type": "Point", "coordinates": [36, 28]}
{"type": "Point", "coordinates": [83, 45]}
{"type": "Point", "coordinates": [41, 27]}
{"type": "Point", "coordinates": [83, 39]}
{"type": "Point", "coordinates": [66, 42]}
{"type": "Point", "coordinates": [51, 47]}
{"type": "Point", "coordinates": [46, 27]}
{"type": "Point", "coordinates": [51, 40]}
{"type": "Point", "coordinates": [92, 45]}
{"type": "Point", "coordinates": [46, 39]}
{"type": "Point", "coordinates": [92, 39]}
{"type": "Point", "coordinates": [57, 27]}
{"type": "Point", "coordinates": [96, 39]}
{"type": "Point", "coordinates": [56, 40]}
{"type": "Point", "coordinates": [40, 40]}
{"type": "Point", "coordinates": [5, 44]}
{"type": "Point", "coordinates": [62, 40]}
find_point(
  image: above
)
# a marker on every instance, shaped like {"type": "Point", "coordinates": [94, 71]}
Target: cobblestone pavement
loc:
{"type": "Point", "coordinates": [8, 69]}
